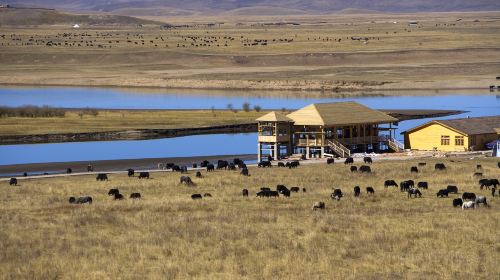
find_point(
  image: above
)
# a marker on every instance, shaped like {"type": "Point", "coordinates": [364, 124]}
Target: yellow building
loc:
{"type": "Point", "coordinates": [326, 129]}
{"type": "Point", "coordinates": [469, 134]}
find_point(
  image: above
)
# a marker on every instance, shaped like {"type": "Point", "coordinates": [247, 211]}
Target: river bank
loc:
{"type": "Point", "coordinates": [34, 169]}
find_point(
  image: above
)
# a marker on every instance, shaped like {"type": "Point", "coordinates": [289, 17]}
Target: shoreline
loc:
{"type": "Point", "coordinates": [334, 92]}
{"type": "Point", "coordinates": [110, 165]}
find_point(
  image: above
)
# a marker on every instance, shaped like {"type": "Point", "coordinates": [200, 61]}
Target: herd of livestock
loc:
{"type": "Point", "coordinates": [467, 201]}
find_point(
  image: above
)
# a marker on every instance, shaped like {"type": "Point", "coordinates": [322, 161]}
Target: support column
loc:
{"type": "Point", "coordinates": [322, 155]}
{"type": "Point", "coordinates": [275, 156]}
{"type": "Point", "coordinates": [259, 152]}
{"type": "Point", "coordinates": [307, 152]}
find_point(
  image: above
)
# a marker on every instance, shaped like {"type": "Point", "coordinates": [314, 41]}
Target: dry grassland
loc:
{"type": "Point", "coordinates": [318, 54]}
{"type": "Point", "coordinates": [166, 235]}
{"type": "Point", "coordinates": [122, 120]}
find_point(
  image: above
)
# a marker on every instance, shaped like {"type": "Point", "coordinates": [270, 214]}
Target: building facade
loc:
{"type": "Point", "coordinates": [457, 135]}
{"type": "Point", "coordinates": [326, 129]}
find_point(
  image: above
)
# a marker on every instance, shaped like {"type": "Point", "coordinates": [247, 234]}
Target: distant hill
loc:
{"type": "Point", "coordinates": [150, 7]}
{"type": "Point", "coordinates": [36, 16]}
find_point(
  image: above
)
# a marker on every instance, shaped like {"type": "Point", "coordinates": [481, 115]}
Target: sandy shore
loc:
{"type": "Point", "coordinates": [110, 165]}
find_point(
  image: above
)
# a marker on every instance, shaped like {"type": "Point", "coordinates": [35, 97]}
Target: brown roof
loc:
{"type": "Point", "coordinates": [339, 113]}
{"type": "Point", "coordinates": [469, 126]}
{"type": "Point", "coordinates": [274, 117]}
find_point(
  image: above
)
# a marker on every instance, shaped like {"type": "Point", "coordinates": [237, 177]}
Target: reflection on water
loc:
{"type": "Point", "coordinates": [203, 145]}
{"type": "Point", "coordinates": [117, 98]}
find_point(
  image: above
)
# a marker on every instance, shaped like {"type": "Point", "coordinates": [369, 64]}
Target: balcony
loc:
{"type": "Point", "coordinates": [318, 142]}
{"type": "Point", "coordinates": [274, 138]}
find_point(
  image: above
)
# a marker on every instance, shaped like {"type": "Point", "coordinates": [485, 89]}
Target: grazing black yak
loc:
{"type": "Point", "coordinates": [439, 166]}
{"type": "Point", "coordinates": [135, 195]}
{"type": "Point", "coordinates": [452, 189]}
{"type": "Point", "coordinates": [264, 164]}
{"type": "Point", "coordinates": [442, 193]}
{"type": "Point", "coordinates": [414, 192]}
{"type": "Point", "coordinates": [367, 160]}
{"type": "Point", "coordinates": [365, 169]}
{"type": "Point", "coordinates": [422, 164]}
{"type": "Point", "coordinates": [244, 192]}
{"type": "Point", "coordinates": [370, 190]}
{"type": "Point", "coordinates": [457, 202]}
{"type": "Point", "coordinates": [357, 191]}
{"type": "Point", "coordinates": [406, 185]}
{"type": "Point", "coordinates": [113, 191]}
{"type": "Point", "coordinates": [390, 183]}
{"type": "Point", "coordinates": [244, 172]}
{"type": "Point", "coordinates": [330, 161]}
{"type": "Point", "coordinates": [267, 193]}
{"type": "Point", "coordinates": [101, 177]}
{"type": "Point", "coordinates": [69, 171]}
{"type": "Point", "coordinates": [84, 199]}
{"type": "Point", "coordinates": [414, 169]}
{"type": "Point", "coordinates": [207, 195]}
{"type": "Point", "coordinates": [210, 167]}
{"type": "Point", "coordinates": [130, 172]}
{"type": "Point", "coordinates": [349, 160]}
{"type": "Point", "coordinates": [422, 185]}
{"type": "Point", "coordinates": [118, 196]}
{"type": "Point", "coordinates": [13, 181]}
{"type": "Point", "coordinates": [222, 164]}
{"type": "Point", "coordinates": [294, 189]}
{"type": "Point", "coordinates": [72, 200]}
{"type": "Point", "coordinates": [293, 164]}
{"type": "Point", "coordinates": [198, 174]}
{"type": "Point", "coordinates": [468, 196]}
{"type": "Point", "coordinates": [281, 164]}
{"type": "Point", "coordinates": [196, 196]}
{"type": "Point", "coordinates": [354, 169]}
{"type": "Point", "coordinates": [144, 175]}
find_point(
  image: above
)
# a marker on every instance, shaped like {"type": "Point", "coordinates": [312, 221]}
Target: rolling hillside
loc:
{"type": "Point", "coordinates": [22, 16]}
{"type": "Point", "coordinates": [307, 6]}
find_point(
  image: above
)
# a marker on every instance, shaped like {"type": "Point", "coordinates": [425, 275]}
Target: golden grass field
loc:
{"type": "Point", "coordinates": [445, 51]}
{"type": "Point", "coordinates": [122, 120]}
{"type": "Point", "coordinates": [166, 235]}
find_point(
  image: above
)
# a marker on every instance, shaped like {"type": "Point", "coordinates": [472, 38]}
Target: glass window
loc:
{"type": "Point", "coordinates": [445, 140]}
{"type": "Point", "coordinates": [459, 140]}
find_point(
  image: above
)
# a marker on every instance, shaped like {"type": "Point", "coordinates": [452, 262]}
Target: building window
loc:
{"type": "Point", "coordinates": [459, 140]}
{"type": "Point", "coordinates": [445, 140]}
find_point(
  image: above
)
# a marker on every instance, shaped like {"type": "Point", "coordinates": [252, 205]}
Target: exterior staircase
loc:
{"type": "Point", "coordinates": [338, 148]}
{"type": "Point", "coordinates": [395, 145]}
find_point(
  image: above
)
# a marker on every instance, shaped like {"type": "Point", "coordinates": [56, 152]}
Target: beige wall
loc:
{"type": "Point", "coordinates": [429, 137]}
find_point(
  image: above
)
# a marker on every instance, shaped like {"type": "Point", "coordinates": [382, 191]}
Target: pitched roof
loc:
{"type": "Point", "coordinates": [339, 113]}
{"type": "Point", "coordinates": [469, 126]}
{"type": "Point", "coordinates": [274, 117]}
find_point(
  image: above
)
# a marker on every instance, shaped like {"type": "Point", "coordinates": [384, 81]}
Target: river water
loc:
{"type": "Point", "coordinates": [477, 104]}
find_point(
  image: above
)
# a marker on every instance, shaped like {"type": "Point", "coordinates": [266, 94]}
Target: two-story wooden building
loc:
{"type": "Point", "coordinates": [467, 134]}
{"type": "Point", "coordinates": [326, 129]}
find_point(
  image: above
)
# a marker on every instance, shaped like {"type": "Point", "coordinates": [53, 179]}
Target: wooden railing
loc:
{"type": "Point", "coordinates": [395, 145]}
{"type": "Point", "coordinates": [338, 148]}
{"type": "Point", "coordinates": [309, 142]}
